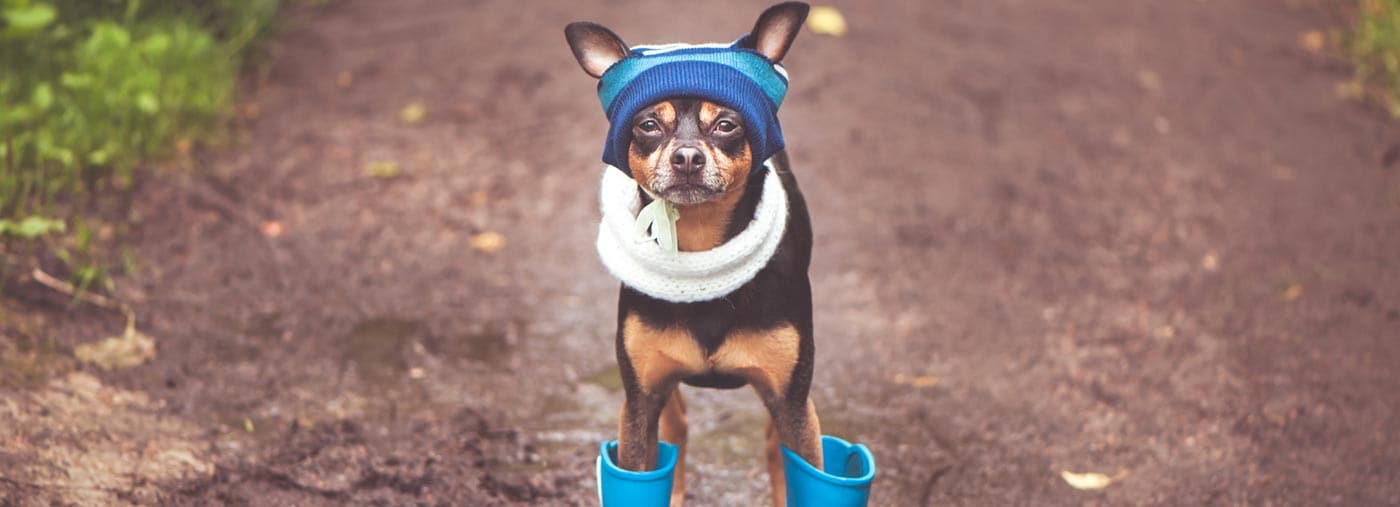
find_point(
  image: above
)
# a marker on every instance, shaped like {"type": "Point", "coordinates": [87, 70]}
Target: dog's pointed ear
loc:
{"type": "Point", "coordinates": [772, 35]}
{"type": "Point", "coordinates": [595, 47]}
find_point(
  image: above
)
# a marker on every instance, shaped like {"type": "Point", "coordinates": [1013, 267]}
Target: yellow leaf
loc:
{"type": "Point", "coordinates": [1292, 292]}
{"type": "Point", "coordinates": [1312, 40]}
{"type": "Point", "coordinates": [273, 228]}
{"type": "Point", "coordinates": [1165, 331]}
{"type": "Point", "coordinates": [130, 349]}
{"type": "Point", "coordinates": [826, 20]}
{"type": "Point", "coordinates": [920, 382]}
{"type": "Point", "coordinates": [382, 169]}
{"type": "Point", "coordinates": [488, 242]}
{"type": "Point", "coordinates": [1210, 262]}
{"type": "Point", "coordinates": [1087, 480]}
{"type": "Point", "coordinates": [413, 113]}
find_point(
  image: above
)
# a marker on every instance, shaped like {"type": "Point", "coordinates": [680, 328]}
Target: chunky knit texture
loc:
{"type": "Point", "coordinates": [726, 74]}
{"type": "Point", "coordinates": [686, 277]}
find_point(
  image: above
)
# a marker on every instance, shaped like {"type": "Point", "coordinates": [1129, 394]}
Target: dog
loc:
{"type": "Point", "coordinates": [698, 140]}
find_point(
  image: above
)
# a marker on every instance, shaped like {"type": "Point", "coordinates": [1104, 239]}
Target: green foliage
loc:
{"type": "Point", "coordinates": [30, 227]}
{"type": "Point", "coordinates": [89, 89]}
{"type": "Point", "coordinates": [1375, 45]}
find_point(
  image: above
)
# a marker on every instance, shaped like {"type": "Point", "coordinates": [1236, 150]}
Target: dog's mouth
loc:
{"type": "Point", "coordinates": [689, 192]}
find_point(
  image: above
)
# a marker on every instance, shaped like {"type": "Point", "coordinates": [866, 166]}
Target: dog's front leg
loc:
{"type": "Point", "coordinates": [791, 423]}
{"type": "Point", "coordinates": [652, 361]}
{"type": "Point", "coordinates": [637, 431]}
{"type": "Point", "coordinates": [777, 362]}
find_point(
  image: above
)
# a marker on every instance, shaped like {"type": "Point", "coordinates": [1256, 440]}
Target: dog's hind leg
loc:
{"type": "Point", "coordinates": [673, 430]}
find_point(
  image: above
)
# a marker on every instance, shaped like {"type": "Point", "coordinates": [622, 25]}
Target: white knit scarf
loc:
{"type": "Point", "coordinates": [686, 277]}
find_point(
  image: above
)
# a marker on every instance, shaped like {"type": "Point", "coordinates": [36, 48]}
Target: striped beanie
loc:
{"type": "Point", "coordinates": [729, 75]}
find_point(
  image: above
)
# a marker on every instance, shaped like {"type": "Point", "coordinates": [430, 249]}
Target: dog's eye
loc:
{"type": "Point", "coordinates": [726, 126]}
{"type": "Point", "coordinates": [649, 126]}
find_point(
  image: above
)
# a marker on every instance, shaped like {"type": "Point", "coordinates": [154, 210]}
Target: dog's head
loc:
{"type": "Point", "coordinates": [689, 123]}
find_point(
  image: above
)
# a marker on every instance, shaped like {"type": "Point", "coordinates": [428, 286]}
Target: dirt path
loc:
{"type": "Point", "coordinates": [1139, 238]}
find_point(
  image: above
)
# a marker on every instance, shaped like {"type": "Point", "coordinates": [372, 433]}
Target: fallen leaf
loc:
{"type": "Point", "coordinates": [272, 228]}
{"type": "Point", "coordinates": [826, 20]}
{"type": "Point", "coordinates": [1210, 262]}
{"type": "Point", "coordinates": [1165, 331]}
{"type": "Point", "coordinates": [413, 113]}
{"type": "Point", "coordinates": [488, 242]}
{"type": "Point", "coordinates": [344, 79]}
{"type": "Point", "coordinates": [1087, 480]}
{"type": "Point", "coordinates": [416, 373]}
{"type": "Point", "coordinates": [1149, 80]}
{"type": "Point", "coordinates": [1312, 40]}
{"type": "Point", "coordinates": [382, 169]}
{"type": "Point", "coordinates": [130, 349]}
{"type": "Point", "coordinates": [247, 425]}
{"type": "Point", "coordinates": [1292, 293]}
{"type": "Point", "coordinates": [919, 382]}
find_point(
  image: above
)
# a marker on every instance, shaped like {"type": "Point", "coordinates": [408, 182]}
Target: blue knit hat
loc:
{"type": "Point", "coordinates": [729, 75]}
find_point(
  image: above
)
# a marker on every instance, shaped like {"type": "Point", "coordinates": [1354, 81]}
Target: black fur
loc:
{"type": "Point", "coordinates": [780, 293]}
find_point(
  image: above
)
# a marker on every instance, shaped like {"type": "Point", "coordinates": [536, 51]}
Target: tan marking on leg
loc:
{"type": "Point", "coordinates": [765, 358]}
{"type": "Point", "coordinates": [673, 430]}
{"type": "Point", "coordinates": [660, 356]}
{"type": "Point", "coordinates": [807, 443]}
{"type": "Point", "coordinates": [708, 112]}
{"type": "Point", "coordinates": [811, 445]}
{"type": "Point", "coordinates": [773, 451]}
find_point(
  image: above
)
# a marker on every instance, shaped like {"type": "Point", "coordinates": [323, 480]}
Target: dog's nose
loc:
{"type": "Point", "coordinates": [687, 160]}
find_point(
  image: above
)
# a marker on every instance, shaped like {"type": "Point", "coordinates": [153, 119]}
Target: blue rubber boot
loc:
{"type": "Point", "coordinates": [844, 480]}
{"type": "Point", "coordinates": [624, 488]}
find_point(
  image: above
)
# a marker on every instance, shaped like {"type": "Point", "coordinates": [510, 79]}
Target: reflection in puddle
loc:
{"type": "Point", "coordinates": [375, 348]}
{"type": "Point", "coordinates": [489, 343]}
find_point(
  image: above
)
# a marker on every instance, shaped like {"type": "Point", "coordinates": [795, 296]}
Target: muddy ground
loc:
{"type": "Point", "coordinates": [1147, 239]}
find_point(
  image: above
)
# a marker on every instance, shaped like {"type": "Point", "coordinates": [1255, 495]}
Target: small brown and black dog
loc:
{"type": "Point", "coordinates": [694, 154]}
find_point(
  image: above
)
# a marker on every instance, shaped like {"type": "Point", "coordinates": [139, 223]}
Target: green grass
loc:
{"type": "Point", "coordinates": [92, 89]}
{"type": "Point", "coordinates": [1375, 46]}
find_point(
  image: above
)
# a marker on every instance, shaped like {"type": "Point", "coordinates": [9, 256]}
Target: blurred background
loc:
{"type": "Point", "coordinates": [331, 252]}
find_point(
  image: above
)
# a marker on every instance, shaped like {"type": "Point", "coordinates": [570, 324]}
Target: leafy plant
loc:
{"type": "Point", "coordinates": [1375, 46]}
{"type": "Point", "coordinates": [90, 89]}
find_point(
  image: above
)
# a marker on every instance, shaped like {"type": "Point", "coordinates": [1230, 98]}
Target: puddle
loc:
{"type": "Point", "coordinates": [490, 343]}
{"type": "Point", "coordinates": [375, 348]}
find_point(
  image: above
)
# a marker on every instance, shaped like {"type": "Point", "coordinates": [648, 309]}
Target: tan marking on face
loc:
{"type": "Point", "coordinates": [660, 356]}
{"type": "Point", "coordinates": [701, 226]}
{"type": "Point", "coordinates": [666, 114]}
{"type": "Point", "coordinates": [708, 112]}
{"type": "Point", "coordinates": [764, 357]}
{"type": "Point", "coordinates": [644, 167]}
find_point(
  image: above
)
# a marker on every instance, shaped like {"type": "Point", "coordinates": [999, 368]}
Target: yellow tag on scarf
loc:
{"type": "Point", "coordinates": [657, 222]}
